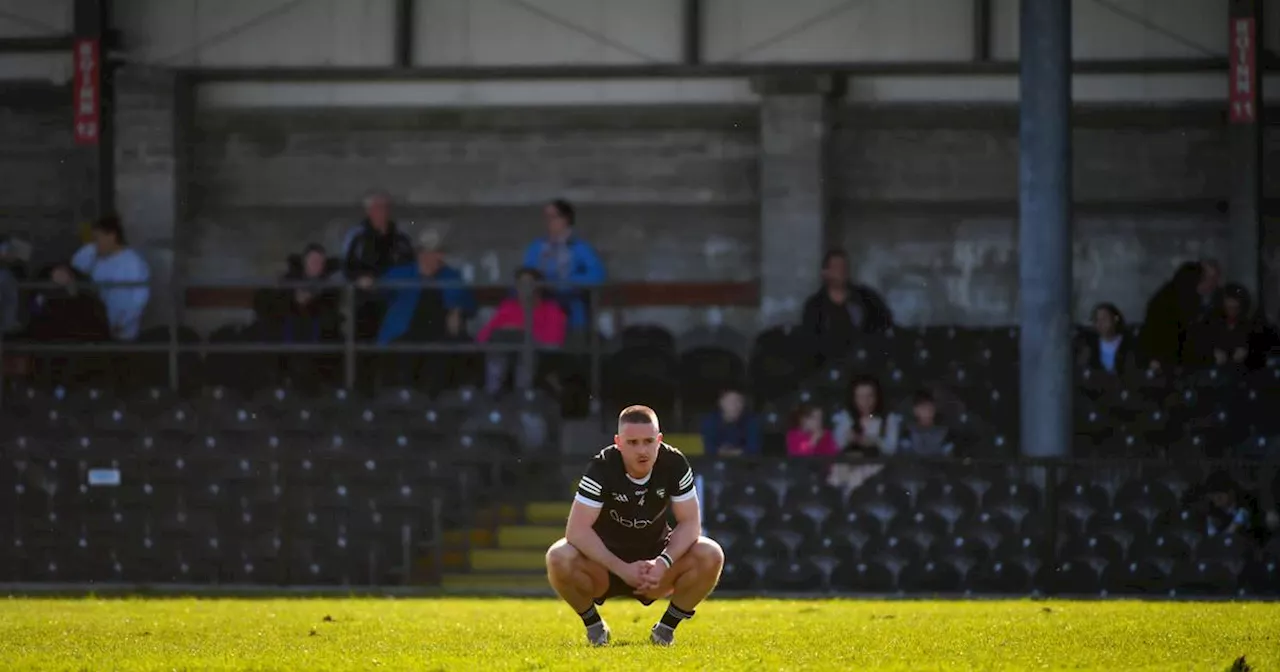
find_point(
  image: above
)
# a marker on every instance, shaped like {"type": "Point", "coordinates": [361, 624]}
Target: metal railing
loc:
{"type": "Point", "coordinates": [350, 346]}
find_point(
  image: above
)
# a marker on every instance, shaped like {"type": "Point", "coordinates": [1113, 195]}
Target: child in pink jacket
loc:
{"type": "Point", "coordinates": [808, 437]}
{"type": "Point", "coordinates": [549, 327]}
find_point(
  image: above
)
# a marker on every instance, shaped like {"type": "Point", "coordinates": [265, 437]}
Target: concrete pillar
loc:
{"type": "Point", "coordinates": [147, 123]}
{"type": "Point", "coordinates": [795, 122]}
{"type": "Point", "coordinates": [1244, 114]}
{"type": "Point", "coordinates": [1044, 228]}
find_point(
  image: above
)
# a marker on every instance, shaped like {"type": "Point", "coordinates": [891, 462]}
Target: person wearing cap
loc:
{"type": "Point", "coordinates": [427, 313]}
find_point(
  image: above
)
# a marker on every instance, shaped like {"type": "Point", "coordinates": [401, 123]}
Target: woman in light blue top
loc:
{"type": "Point", "coordinates": [108, 260]}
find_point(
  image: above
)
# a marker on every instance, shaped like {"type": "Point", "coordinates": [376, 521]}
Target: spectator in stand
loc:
{"type": "Point", "coordinates": [563, 257]}
{"type": "Point", "coordinates": [108, 260]}
{"type": "Point", "coordinates": [1228, 509]}
{"type": "Point", "coordinates": [732, 431]}
{"type": "Point", "coordinates": [1209, 289]}
{"type": "Point", "coordinates": [12, 272]}
{"type": "Point", "coordinates": [549, 326]}
{"type": "Point", "coordinates": [1108, 348]}
{"type": "Point", "coordinates": [864, 428]}
{"type": "Point", "coordinates": [1174, 314]}
{"type": "Point", "coordinates": [369, 252]}
{"type": "Point", "coordinates": [1234, 336]}
{"type": "Point", "coordinates": [69, 313]}
{"type": "Point", "coordinates": [808, 437]}
{"type": "Point", "coordinates": [924, 436]}
{"type": "Point", "coordinates": [836, 314]}
{"type": "Point", "coordinates": [430, 314]}
{"type": "Point", "coordinates": [309, 315]}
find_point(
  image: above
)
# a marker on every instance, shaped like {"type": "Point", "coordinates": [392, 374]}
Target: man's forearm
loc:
{"type": "Point", "coordinates": [589, 544]}
{"type": "Point", "coordinates": [682, 539]}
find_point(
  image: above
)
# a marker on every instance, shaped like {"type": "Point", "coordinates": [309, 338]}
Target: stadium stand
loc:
{"type": "Point", "coordinates": [236, 481]}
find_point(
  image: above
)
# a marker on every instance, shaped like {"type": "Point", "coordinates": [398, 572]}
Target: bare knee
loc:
{"type": "Point", "coordinates": [708, 555]}
{"type": "Point", "coordinates": [562, 558]}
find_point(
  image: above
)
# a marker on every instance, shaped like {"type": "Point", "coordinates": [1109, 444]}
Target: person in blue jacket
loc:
{"type": "Point", "coordinates": [562, 257]}
{"type": "Point", "coordinates": [731, 430]}
{"type": "Point", "coordinates": [427, 314]}
{"type": "Point", "coordinates": [437, 313]}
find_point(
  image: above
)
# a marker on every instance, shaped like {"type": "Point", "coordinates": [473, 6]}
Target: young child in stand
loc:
{"type": "Point", "coordinates": [808, 437]}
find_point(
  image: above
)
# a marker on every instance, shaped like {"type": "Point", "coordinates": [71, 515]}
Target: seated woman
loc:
{"type": "Point", "coordinates": [863, 429]}
{"type": "Point", "coordinates": [548, 324]}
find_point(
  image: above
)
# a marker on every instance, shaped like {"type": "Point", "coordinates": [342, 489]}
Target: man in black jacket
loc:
{"type": "Point", "coordinates": [374, 248]}
{"type": "Point", "coordinates": [836, 314]}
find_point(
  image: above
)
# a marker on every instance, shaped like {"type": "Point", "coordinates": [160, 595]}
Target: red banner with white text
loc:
{"type": "Point", "coordinates": [87, 94]}
{"type": "Point", "coordinates": [1242, 93]}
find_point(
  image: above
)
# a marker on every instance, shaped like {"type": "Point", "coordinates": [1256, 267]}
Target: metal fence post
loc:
{"type": "Point", "coordinates": [593, 331]}
{"type": "Point", "coordinates": [1049, 554]}
{"type": "Point", "coordinates": [4, 382]}
{"type": "Point", "coordinates": [349, 336]}
{"type": "Point", "coordinates": [524, 370]}
{"type": "Point", "coordinates": [437, 536]}
{"type": "Point", "coordinates": [173, 338]}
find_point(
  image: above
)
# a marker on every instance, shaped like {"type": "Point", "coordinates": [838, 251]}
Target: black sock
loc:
{"type": "Point", "coordinates": [674, 615]}
{"type": "Point", "coordinates": [590, 617]}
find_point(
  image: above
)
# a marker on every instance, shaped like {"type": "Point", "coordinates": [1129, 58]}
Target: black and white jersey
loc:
{"type": "Point", "coordinates": [633, 512]}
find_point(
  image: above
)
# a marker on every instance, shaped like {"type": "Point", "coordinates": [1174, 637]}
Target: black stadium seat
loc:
{"type": "Point", "coordinates": [738, 576]}
{"type": "Point", "coordinates": [1135, 578]}
{"type": "Point", "coordinates": [999, 576]}
{"type": "Point", "coordinates": [863, 577]}
{"type": "Point", "coordinates": [930, 577]}
{"type": "Point", "coordinates": [798, 575]}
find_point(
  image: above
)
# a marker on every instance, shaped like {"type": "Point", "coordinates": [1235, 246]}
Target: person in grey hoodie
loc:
{"type": "Point", "coordinates": [923, 435]}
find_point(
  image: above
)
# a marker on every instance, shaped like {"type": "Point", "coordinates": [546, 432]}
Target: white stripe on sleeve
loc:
{"type": "Point", "coordinates": [591, 503]}
{"type": "Point", "coordinates": [692, 494]}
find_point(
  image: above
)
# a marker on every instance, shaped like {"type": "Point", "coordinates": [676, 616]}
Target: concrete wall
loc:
{"type": "Point", "coordinates": [42, 181]}
{"type": "Point", "coordinates": [665, 193]}
{"type": "Point", "coordinates": [924, 197]}
{"type": "Point", "coordinates": [225, 33]}
{"type": "Point", "coordinates": [496, 32]}
{"type": "Point", "coordinates": [491, 32]}
{"type": "Point", "coordinates": [927, 205]}
{"type": "Point", "coordinates": [1128, 28]}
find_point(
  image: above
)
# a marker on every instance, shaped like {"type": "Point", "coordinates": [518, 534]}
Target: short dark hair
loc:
{"type": "Point", "coordinates": [565, 208]}
{"type": "Point", "coordinates": [638, 415]}
{"type": "Point", "coordinates": [530, 272]}
{"type": "Point", "coordinates": [802, 411]}
{"type": "Point", "coordinates": [923, 397]}
{"type": "Point", "coordinates": [732, 388]}
{"type": "Point", "coordinates": [110, 224]}
{"type": "Point", "coordinates": [315, 247]}
{"type": "Point", "coordinates": [832, 255]}
{"type": "Point", "coordinates": [1110, 308]}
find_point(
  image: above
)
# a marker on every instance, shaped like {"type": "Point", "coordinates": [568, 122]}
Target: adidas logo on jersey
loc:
{"type": "Point", "coordinates": [620, 497]}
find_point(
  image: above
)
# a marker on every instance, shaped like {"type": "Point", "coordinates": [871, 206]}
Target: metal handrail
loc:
{"type": "Point", "coordinates": [349, 346]}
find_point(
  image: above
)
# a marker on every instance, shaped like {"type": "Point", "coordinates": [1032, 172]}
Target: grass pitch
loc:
{"type": "Point", "coordinates": [539, 634]}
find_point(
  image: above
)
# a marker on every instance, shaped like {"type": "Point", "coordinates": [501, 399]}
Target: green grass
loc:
{"type": "Point", "coordinates": [537, 634]}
